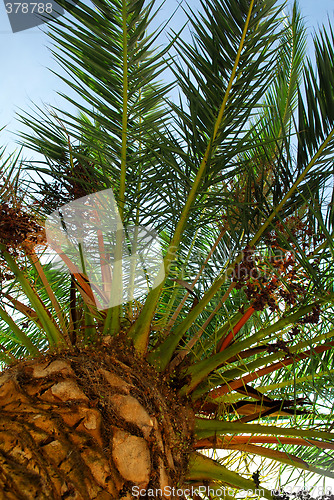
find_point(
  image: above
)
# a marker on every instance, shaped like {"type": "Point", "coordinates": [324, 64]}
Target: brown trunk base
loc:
{"type": "Point", "coordinates": [90, 424]}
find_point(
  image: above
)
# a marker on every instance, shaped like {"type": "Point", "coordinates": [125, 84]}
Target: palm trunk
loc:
{"type": "Point", "coordinates": [90, 424]}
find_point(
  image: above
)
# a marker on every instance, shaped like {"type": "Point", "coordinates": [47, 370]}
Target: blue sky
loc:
{"type": "Point", "coordinates": [24, 59]}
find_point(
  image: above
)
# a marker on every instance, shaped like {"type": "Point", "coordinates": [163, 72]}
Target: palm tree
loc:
{"type": "Point", "coordinates": [231, 348]}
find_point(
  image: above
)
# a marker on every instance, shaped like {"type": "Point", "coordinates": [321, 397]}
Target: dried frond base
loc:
{"type": "Point", "coordinates": [90, 424]}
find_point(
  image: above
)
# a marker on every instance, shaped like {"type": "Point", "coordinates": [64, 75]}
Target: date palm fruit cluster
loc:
{"type": "Point", "coordinates": [19, 229]}
{"type": "Point", "coordinates": [221, 374]}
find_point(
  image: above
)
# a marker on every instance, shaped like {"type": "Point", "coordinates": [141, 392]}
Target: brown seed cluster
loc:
{"type": "Point", "coordinates": [280, 345]}
{"type": "Point", "coordinates": [253, 277]}
{"type": "Point", "coordinates": [268, 281]}
{"type": "Point", "coordinates": [295, 229]}
{"type": "Point", "coordinates": [19, 230]}
{"type": "Point", "coordinates": [312, 318]}
{"type": "Point", "coordinates": [70, 185]}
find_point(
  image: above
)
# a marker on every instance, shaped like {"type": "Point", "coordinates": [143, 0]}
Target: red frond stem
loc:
{"type": "Point", "coordinates": [229, 337]}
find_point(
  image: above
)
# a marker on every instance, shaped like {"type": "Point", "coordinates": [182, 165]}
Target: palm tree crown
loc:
{"type": "Point", "coordinates": [233, 183]}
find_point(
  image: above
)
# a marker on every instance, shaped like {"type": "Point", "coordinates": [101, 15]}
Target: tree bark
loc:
{"type": "Point", "coordinates": [90, 424]}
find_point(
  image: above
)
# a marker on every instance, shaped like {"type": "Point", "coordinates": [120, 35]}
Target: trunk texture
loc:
{"type": "Point", "coordinates": [90, 424]}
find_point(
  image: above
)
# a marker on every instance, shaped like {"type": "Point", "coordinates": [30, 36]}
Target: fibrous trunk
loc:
{"type": "Point", "coordinates": [91, 424]}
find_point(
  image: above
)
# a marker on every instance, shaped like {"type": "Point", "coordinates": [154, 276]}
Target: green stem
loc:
{"type": "Point", "coordinates": [201, 370]}
{"type": "Point", "coordinates": [140, 330]}
{"type": "Point", "coordinates": [60, 314]}
{"type": "Point", "coordinates": [180, 306]}
{"type": "Point", "coordinates": [55, 336]}
{"type": "Point", "coordinates": [202, 468]}
{"type": "Point", "coordinates": [291, 381]}
{"type": "Point", "coordinates": [125, 110]}
{"type": "Point", "coordinates": [20, 335]}
{"type": "Point", "coordinates": [113, 321]}
{"type": "Point", "coordinates": [205, 428]}
{"type": "Point", "coordinates": [161, 356]}
{"type": "Point", "coordinates": [227, 376]}
{"type": "Point", "coordinates": [281, 457]}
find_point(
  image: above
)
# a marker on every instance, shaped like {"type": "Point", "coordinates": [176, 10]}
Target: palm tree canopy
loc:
{"type": "Point", "coordinates": [235, 177]}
